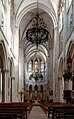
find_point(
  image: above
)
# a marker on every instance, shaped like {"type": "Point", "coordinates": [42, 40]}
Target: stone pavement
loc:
{"type": "Point", "coordinates": [37, 113]}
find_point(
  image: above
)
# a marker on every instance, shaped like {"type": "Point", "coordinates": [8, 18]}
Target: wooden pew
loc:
{"type": "Point", "coordinates": [29, 107]}
{"type": "Point", "coordinates": [45, 106]}
{"type": "Point", "coordinates": [14, 109]}
{"type": "Point", "coordinates": [64, 112]}
{"type": "Point", "coordinates": [59, 110]}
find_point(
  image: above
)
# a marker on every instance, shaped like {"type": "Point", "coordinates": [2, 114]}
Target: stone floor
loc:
{"type": "Point", "coordinates": [37, 113]}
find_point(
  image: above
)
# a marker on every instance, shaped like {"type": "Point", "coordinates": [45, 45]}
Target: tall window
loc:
{"type": "Point", "coordinates": [36, 67]}
{"type": "Point", "coordinates": [30, 65]}
{"type": "Point", "coordinates": [42, 66]}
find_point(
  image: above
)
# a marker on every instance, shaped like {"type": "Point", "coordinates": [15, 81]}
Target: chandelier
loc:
{"type": "Point", "coordinates": [36, 76]}
{"type": "Point", "coordinates": [37, 34]}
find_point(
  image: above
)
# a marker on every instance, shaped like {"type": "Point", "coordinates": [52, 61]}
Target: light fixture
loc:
{"type": "Point", "coordinates": [37, 34]}
{"type": "Point", "coordinates": [36, 75]}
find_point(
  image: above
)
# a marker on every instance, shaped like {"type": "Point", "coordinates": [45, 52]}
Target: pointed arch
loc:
{"type": "Point", "coordinates": [3, 69]}
{"type": "Point", "coordinates": [48, 8]}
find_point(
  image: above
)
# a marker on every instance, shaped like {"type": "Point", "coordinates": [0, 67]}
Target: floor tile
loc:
{"type": "Point", "coordinates": [37, 113]}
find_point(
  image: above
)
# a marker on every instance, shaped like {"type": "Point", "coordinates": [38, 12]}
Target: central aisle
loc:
{"type": "Point", "coordinates": [37, 113]}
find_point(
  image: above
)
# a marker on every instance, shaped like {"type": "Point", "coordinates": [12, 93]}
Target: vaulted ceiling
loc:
{"type": "Point", "coordinates": [18, 3]}
{"type": "Point", "coordinates": [25, 10]}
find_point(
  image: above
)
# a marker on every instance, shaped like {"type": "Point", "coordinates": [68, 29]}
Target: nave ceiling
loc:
{"type": "Point", "coordinates": [25, 11]}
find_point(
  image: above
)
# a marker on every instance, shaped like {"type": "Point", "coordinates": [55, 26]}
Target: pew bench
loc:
{"type": "Point", "coordinates": [14, 110]}
{"type": "Point", "coordinates": [57, 110]}
{"type": "Point", "coordinates": [29, 107]}
{"type": "Point", "coordinates": [61, 112]}
{"type": "Point", "coordinates": [45, 105]}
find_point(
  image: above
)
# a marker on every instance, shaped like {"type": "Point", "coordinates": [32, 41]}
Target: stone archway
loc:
{"type": "Point", "coordinates": [36, 91]}
{"type": "Point", "coordinates": [3, 71]}
{"type": "Point", "coordinates": [41, 91]}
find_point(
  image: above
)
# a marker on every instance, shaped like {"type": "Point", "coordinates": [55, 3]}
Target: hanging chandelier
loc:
{"type": "Point", "coordinates": [37, 34]}
{"type": "Point", "coordinates": [37, 76]}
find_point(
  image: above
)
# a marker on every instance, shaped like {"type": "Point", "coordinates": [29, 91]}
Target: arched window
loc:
{"type": "Point", "coordinates": [30, 88]}
{"type": "Point", "coordinates": [36, 87]}
{"type": "Point", "coordinates": [41, 88]}
{"type": "Point", "coordinates": [36, 67]}
{"type": "Point", "coordinates": [42, 66]}
{"type": "Point", "coordinates": [30, 67]}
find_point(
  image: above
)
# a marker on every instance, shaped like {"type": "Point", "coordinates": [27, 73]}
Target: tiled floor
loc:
{"type": "Point", "coordinates": [37, 113]}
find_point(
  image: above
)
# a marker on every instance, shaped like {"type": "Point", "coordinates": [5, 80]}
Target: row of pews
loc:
{"type": "Point", "coordinates": [57, 110]}
{"type": "Point", "coordinates": [15, 110]}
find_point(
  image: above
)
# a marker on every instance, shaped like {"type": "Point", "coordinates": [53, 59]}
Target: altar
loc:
{"type": "Point", "coordinates": [36, 102]}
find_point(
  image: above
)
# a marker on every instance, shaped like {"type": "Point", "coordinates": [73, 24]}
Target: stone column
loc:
{"type": "Point", "coordinates": [50, 73]}
{"type": "Point", "coordinates": [5, 86]}
{"type": "Point", "coordinates": [16, 63]}
{"type": "Point", "coordinates": [12, 88]}
{"type": "Point", "coordinates": [55, 64]}
{"type": "Point", "coordinates": [21, 69]}
{"type": "Point", "coordinates": [61, 88]}
{"type": "Point", "coordinates": [7, 22]}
